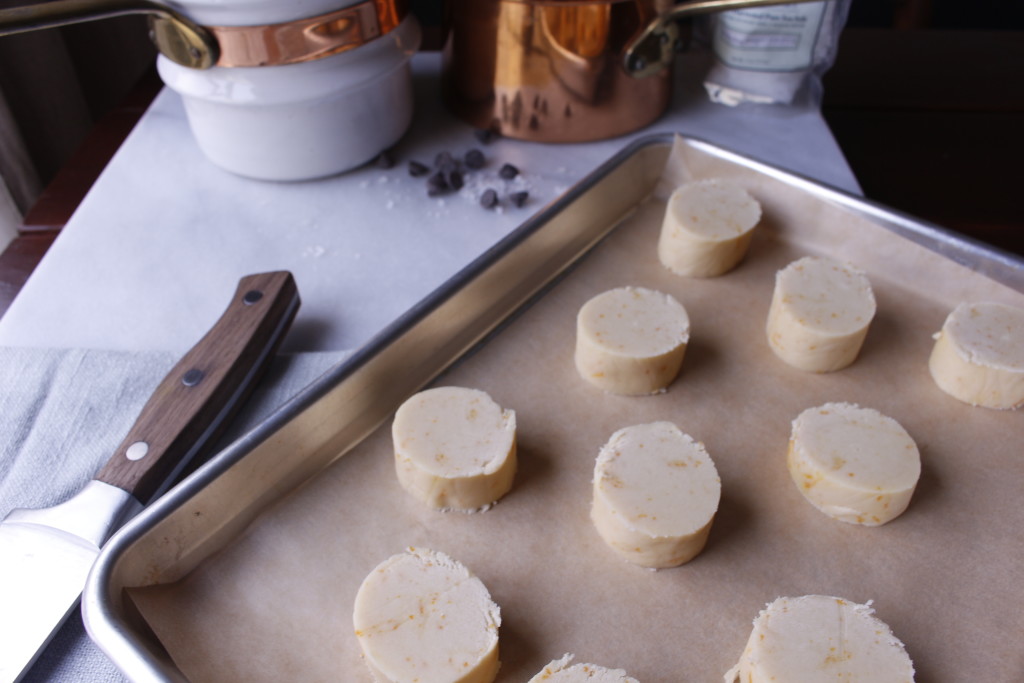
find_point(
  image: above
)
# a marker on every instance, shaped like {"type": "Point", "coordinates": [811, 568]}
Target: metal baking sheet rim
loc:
{"type": "Point", "coordinates": [351, 400]}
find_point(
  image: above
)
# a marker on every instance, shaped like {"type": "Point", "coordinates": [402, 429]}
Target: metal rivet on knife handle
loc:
{"type": "Point", "coordinates": [192, 377]}
{"type": "Point", "coordinates": [137, 451]}
{"type": "Point", "coordinates": [252, 296]}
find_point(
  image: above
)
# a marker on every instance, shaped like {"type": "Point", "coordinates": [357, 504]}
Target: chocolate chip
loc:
{"type": "Point", "coordinates": [486, 135]}
{"type": "Point", "coordinates": [436, 184]}
{"type": "Point", "coordinates": [454, 178]}
{"type": "Point", "coordinates": [489, 199]}
{"type": "Point", "coordinates": [508, 172]}
{"type": "Point", "coordinates": [474, 159]}
{"type": "Point", "coordinates": [519, 198]}
{"type": "Point", "coordinates": [444, 159]}
{"type": "Point", "coordinates": [416, 169]}
{"type": "Point", "coordinates": [385, 160]}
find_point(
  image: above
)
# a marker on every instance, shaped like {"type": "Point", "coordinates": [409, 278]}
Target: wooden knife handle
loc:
{"type": "Point", "coordinates": [202, 392]}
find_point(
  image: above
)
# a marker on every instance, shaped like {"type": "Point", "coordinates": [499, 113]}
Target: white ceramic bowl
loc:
{"type": "Point", "coordinates": [299, 121]}
{"type": "Point", "coordinates": [254, 12]}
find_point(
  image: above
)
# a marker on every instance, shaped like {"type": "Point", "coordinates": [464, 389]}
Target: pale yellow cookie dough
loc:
{"type": "Point", "coordinates": [854, 464]}
{"type": "Point", "coordinates": [655, 494]}
{"type": "Point", "coordinates": [707, 228]}
{"type": "Point", "coordinates": [631, 340]}
{"type": "Point", "coordinates": [563, 671]}
{"type": "Point", "coordinates": [455, 448]}
{"type": "Point", "coordinates": [820, 313]}
{"type": "Point", "coordinates": [821, 639]}
{"type": "Point", "coordinates": [422, 616]}
{"type": "Point", "coordinates": [978, 356]}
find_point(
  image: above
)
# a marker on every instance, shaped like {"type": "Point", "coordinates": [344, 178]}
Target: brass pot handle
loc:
{"type": "Point", "coordinates": [176, 36]}
{"type": "Point", "coordinates": [653, 48]}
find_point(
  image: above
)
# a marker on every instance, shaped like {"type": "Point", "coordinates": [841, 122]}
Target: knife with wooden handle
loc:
{"type": "Point", "coordinates": [46, 555]}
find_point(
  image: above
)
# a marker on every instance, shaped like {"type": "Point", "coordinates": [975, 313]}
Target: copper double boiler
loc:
{"type": "Point", "coordinates": [565, 70]}
{"type": "Point", "coordinates": [549, 70]}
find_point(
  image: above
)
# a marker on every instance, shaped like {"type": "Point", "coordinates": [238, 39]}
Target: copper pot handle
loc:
{"type": "Point", "coordinates": [653, 48]}
{"type": "Point", "coordinates": [176, 36]}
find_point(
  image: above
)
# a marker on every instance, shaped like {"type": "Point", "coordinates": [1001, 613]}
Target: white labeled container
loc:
{"type": "Point", "coordinates": [296, 121]}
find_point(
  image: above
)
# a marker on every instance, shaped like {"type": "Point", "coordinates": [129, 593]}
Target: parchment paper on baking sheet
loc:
{"type": "Point", "coordinates": [277, 603]}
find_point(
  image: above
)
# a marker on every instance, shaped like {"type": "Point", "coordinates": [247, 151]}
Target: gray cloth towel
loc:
{"type": "Point", "coordinates": [62, 414]}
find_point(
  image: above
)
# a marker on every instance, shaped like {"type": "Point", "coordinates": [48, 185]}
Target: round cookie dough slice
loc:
{"type": "Point", "coordinates": [817, 638]}
{"type": "Point", "coordinates": [854, 464]}
{"type": "Point", "coordinates": [978, 356]}
{"type": "Point", "coordinates": [455, 448]}
{"type": "Point", "coordinates": [563, 671]}
{"type": "Point", "coordinates": [707, 228]}
{"type": "Point", "coordinates": [820, 313]}
{"type": "Point", "coordinates": [631, 340]}
{"type": "Point", "coordinates": [422, 616]}
{"type": "Point", "coordinates": [655, 494]}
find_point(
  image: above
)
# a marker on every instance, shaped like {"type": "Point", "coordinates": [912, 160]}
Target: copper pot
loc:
{"type": "Point", "coordinates": [565, 70]}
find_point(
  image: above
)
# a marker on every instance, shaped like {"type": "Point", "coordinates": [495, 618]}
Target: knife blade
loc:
{"type": "Point", "coordinates": [46, 555]}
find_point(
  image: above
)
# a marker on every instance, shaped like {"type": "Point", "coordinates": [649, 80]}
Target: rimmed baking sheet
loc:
{"type": "Point", "coordinates": [241, 578]}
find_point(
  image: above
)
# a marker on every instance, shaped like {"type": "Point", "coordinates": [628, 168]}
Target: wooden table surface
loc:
{"type": "Point", "coordinates": [930, 122]}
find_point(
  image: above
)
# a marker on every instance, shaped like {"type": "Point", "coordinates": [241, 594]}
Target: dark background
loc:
{"type": "Point", "coordinates": [926, 100]}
